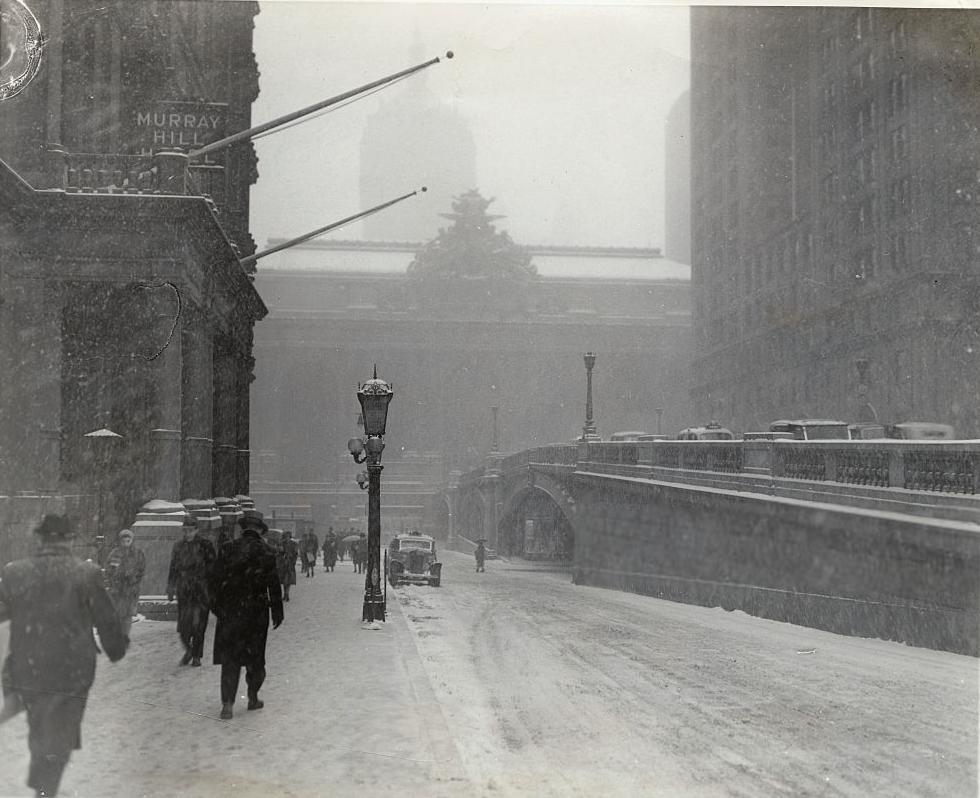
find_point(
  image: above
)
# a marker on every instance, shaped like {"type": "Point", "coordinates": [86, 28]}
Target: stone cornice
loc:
{"type": "Point", "coordinates": [532, 249]}
{"type": "Point", "coordinates": [190, 221]}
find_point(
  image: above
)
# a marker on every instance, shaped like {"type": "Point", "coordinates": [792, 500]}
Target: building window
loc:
{"type": "Point", "coordinates": [900, 197]}
{"type": "Point", "coordinates": [898, 251]}
{"type": "Point", "coordinates": [732, 215]}
{"type": "Point", "coordinates": [862, 24]}
{"type": "Point", "coordinates": [898, 38]}
{"type": "Point", "coordinates": [827, 190]}
{"type": "Point", "coordinates": [864, 216]}
{"type": "Point", "coordinates": [866, 262]}
{"type": "Point", "coordinates": [899, 145]}
{"type": "Point", "coordinates": [830, 98]}
{"type": "Point", "coordinates": [898, 94]}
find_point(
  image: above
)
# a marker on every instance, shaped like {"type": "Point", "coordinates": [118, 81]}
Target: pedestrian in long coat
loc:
{"type": "Point", "coordinates": [287, 563]}
{"type": "Point", "coordinates": [53, 600]}
{"type": "Point", "coordinates": [309, 546]}
{"type": "Point", "coordinates": [329, 550]}
{"type": "Point", "coordinates": [480, 554]}
{"type": "Point", "coordinates": [244, 589]}
{"type": "Point", "coordinates": [190, 563]}
{"type": "Point", "coordinates": [125, 567]}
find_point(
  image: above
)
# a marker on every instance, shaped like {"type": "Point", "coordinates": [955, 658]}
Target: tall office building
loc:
{"type": "Point", "coordinates": [835, 214]}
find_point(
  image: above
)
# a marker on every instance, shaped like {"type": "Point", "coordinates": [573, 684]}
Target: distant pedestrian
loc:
{"type": "Point", "coordinates": [329, 550]}
{"type": "Point", "coordinates": [244, 588]}
{"type": "Point", "coordinates": [309, 545]}
{"type": "Point", "coordinates": [125, 567]}
{"type": "Point", "coordinates": [287, 565]}
{"type": "Point", "coordinates": [53, 600]}
{"type": "Point", "coordinates": [190, 563]}
{"type": "Point", "coordinates": [480, 554]}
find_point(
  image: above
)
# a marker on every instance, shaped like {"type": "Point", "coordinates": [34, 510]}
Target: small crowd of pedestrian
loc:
{"type": "Point", "coordinates": [54, 600]}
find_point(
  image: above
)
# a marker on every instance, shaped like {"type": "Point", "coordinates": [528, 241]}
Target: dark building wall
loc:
{"type": "Point", "coordinates": [850, 572]}
{"type": "Point", "coordinates": [833, 152]}
{"type": "Point", "coordinates": [450, 363]}
{"type": "Point", "coordinates": [125, 79]}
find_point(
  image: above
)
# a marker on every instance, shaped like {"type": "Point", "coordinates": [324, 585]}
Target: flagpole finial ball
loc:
{"type": "Point", "coordinates": [449, 53]}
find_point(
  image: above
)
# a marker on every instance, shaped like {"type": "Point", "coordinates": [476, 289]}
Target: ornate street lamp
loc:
{"type": "Point", "coordinates": [588, 431]}
{"type": "Point", "coordinates": [374, 396]}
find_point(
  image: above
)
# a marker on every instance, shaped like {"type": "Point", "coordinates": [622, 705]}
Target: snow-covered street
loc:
{"type": "Point", "coordinates": [516, 682]}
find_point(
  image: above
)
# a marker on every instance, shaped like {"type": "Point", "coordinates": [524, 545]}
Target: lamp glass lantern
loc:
{"type": "Point", "coordinates": [374, 396]}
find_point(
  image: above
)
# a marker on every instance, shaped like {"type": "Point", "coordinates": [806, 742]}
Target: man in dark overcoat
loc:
{"type": "Point", "coordinates": [190, 563]}
{"type": "Point", "coordinates": [287, 565]}
{"type": "Point", "coordinates": [53, 600]}
{"type": "Point", "coordinates": [329, 550]}
{"type": "Point", "coordinates": [244, 589]}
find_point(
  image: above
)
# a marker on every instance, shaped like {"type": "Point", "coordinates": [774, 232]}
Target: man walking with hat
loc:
{"type": "Point", "coordinates": [244, 589]}
{"type": "Point", "coordinates": [190, 564]}
{"type": "Point", "coordinates": [53, 600]}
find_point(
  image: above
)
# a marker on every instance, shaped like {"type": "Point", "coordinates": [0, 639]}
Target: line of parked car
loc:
{"type": "Point", "coordinates": [806, 429]}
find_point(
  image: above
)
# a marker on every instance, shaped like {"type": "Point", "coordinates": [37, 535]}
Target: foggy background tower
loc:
{"type": "Point", "coordinates": [414, 139]}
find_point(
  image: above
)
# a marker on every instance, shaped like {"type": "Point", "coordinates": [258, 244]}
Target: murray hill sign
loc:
{"type": "Point", "coordinates": [180, 125]}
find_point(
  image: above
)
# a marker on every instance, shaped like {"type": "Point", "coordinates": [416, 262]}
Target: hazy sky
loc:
{"type": "Point", "coordinates": [566, 103]}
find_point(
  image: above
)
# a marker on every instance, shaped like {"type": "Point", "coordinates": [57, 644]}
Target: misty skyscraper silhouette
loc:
{"type": "Point", "coordinates": [414, 139]}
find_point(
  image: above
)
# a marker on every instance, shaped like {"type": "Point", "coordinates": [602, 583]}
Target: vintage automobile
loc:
{"type": "Point", "coordinates": [920, 431]}
{"type": "Point", "coordinates": [812, 429]}
{"type": "Point", "coordinates": [712, 431]}
{"type": "Point", "coordinates": [412, 558]}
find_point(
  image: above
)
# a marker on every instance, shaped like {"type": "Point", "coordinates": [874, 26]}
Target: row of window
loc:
{"type": "Point", "coordinates": [864, 117]}
{"type": "Point", "coordinates": [862, 28]}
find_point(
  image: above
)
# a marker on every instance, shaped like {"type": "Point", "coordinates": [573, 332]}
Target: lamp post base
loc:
{"type": "Point", "coordinates": [374, 606]}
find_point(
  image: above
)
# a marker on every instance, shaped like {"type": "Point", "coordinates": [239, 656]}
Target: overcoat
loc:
{"type": "Point", "coordinates": [287, 566]}
{"type": "Point", "coordinates": [330, 551]}
{"type": "Point", "coordinates": [53, 600]}
{"type": "Point", "coordinates": [244, 588]}
{"type": "Point", "coordinates": [190, 562]}
{"type": "Point", "coordinates": [124, 572]}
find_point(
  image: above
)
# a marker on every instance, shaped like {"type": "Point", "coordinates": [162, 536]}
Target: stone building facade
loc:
{"type": "Point", "coordinates": [338, 307]}
{"type": "Point", "coordinates": [835, 185]}
{"type": "Point", "coordinates": [124, 304]}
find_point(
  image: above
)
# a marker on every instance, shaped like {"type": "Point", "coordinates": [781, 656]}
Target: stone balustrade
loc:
{"type": "Point", "coordinates": [937, 466]}
{"type": "Point", "coordinates": [164, 172]}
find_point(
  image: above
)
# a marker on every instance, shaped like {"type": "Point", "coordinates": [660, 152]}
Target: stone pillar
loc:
{"type": "Point", "coordinates": [165, 437]}
{"type": "Point", "coordinates": [246, 376]}
{"type": "Point", "coordinates": [198, 406]}
{"type": "Point", "coordinates": [46, 405]}
{"type": "Point", "coordinates": [225, 421]}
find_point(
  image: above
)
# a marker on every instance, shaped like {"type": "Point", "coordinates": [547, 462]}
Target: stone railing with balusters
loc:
{"type": "Point", "coordinates": [947, 466]}
{"type": "Point", "coordinates": [163, 172]}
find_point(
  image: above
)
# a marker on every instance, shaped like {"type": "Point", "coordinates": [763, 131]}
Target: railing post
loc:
{"type": "Point", "coordinates": [830, 464]}
{"type": "Point", "coordinates": [896, 468]}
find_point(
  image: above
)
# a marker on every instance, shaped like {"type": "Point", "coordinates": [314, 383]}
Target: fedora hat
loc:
{"type": "Point", "coordinates": [54, 526]}
{"type": "Point", "coordinates": [253, 519]}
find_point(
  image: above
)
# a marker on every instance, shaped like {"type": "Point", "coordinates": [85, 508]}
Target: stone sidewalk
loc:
{"type": "Point", "coordinates": [347, 712]}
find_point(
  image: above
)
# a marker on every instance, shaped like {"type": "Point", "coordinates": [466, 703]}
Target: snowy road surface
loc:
{"type": "Point", "coordinates": [517, 683]}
